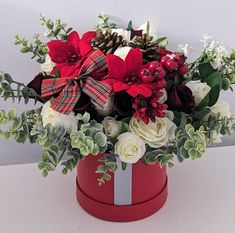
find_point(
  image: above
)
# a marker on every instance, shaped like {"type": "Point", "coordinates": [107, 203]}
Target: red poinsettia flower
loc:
{"type": "Point", "coordinates": [125, 75]}
{"type": "Point", "coordinates": [69, 55]}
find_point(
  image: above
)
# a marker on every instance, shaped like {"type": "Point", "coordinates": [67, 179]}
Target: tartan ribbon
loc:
{"type": "Point", "coordinates": [71, 88]}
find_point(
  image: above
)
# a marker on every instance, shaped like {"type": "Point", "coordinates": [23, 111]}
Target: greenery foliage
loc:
{"type": "Point", "coordinates": [104, 23]}
{"type": "Point", "coordinates": [11, 89]}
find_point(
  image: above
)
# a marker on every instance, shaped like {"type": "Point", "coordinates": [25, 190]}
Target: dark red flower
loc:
{"type": "Point", "coordinates": [124, 75]}
{"type": "Point", "coordinates": [123, 104]}
{"type": "Point", "coordinates": [69, 55]}
{"type": "Point", "coordinates": [149, 108]}
{"type": "Point", "coordinates": [180, 98]}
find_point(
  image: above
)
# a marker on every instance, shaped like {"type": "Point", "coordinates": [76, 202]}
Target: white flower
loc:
{"type": "Point", "coordinates": [50, 116]}
{"type": "Point", "coordinates": [155, 134]}
{"type": "Point", "coordinates": [107, 108]}
{"type": "Point", "coordinates": [199, 90]}
{"type": "Point", "coordinates": [152, 30]}
{"type": "Point", "coordinates": [223, 108]}
{"type": "Point", "coordinates": [206, 39]}
{"type": "Point", "coordinates": [216, 50]}
{"type": "Point", "coordinates": [124, 33]}
{"type": "Point", "coordinates": [185, 49]}
{"type": "Point", "coordinates": [163, 98]}
{"type": "Point", "coordinates": [112, 127]}
{"type": "Point", "coordinates": [122, 52]}
{"type": "Point", "coordinates": [48, 65]}
{"type": "Point", "coordinates": [129, 147]}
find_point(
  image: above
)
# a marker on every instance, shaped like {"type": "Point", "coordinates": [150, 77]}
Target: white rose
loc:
{"type": "Point", "coordinates": [155, 134]}
{"type": "Point", "coordinates": [108, 107]}
{"type": "Point", "coordinates": [152, 30]}
{"type": "Point", "coordinates": [199, 90]}
{"type": "Point", "coordinates": [163, 98]}
{"type": "Point", "coordinates": [48, 65]}
{"type": "Point", "coordinates": [50, 116]}
{"type": "Point", "coordinates": [223, 108]}
{"type": "Point", "coordinates": [124, 33]}
{"type": "Point", "coordinates": [129, 147]}
{"type": "Point", "coordinates": [122, 52]}
{"type": "Point", "coordinates": [112, 127]}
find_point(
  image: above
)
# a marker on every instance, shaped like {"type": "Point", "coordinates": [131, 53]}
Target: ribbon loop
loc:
{"type": "Point", "coordinates": [70, 88]}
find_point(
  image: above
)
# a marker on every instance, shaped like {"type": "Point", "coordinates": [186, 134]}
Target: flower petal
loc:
{"type": "Point", "coordinates": [58, 51]}
{"type": "Point", "coordinates": [116, 67]}
{"type": "Point", "coordinates": [120, 86]}
{"type": "Point", "coordinates": [84, 48]}
{"type": "Point", "coordinates": [133, 61]}
{"type": "Point", "coordinates": [66, 70]}
{"type": "Point", "coordinates": [73, 42]}
{"type": "Point", "coordinates": [88, 36]}
{"type": "Point", "coordinates": [141, 89]}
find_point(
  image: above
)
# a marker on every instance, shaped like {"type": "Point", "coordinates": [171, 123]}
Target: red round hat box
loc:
{"type": "Point", "coordinates": [149, 191]}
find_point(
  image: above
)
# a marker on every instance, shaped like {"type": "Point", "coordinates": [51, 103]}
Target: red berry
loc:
{"type": "Point", "coordinates": [152, 66]}
{"type": "Point", "coordinates": [146, 75]}
{"type": "Point", "coordinates": [164, 59]}
{"type": "Point", "coordinates": [183, 69]}
{"type": "Point", "coordinates": [171, 65]}
{"type": "Point", "coordinates": [179, 58]}
{"type": "Point", "coordinates": [159, 73]}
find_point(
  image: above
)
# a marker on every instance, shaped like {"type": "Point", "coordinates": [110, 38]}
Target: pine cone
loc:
{"type": "Point", "coordinates": [108, 41]}
{"type": "Point", "coordinates": [147, 45]}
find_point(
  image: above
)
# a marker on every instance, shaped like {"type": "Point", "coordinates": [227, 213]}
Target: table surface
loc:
{"type": "Point", "coordinates": [201, 200]}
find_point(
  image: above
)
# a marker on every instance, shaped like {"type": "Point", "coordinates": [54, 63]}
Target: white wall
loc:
{"type": "Point", "coordinates": [181, 21]}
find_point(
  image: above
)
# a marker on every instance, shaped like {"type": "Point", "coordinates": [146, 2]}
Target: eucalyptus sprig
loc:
{"type": "Point", "coordinates": [38, 48]}
{"type": "Point", "coordinates": [56, 29]}
{"type": "Point", "coordinates": [162, 155]}
{"type": "Point", "coordinates": [107, 168]}
{"type": "Point", "coordinates": [104, 23]}
{"type": "Point", "coordinates": [11, 89]}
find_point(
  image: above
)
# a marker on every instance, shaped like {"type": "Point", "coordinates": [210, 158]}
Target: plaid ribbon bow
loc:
{"type": "Point", "coordinates": [70, 89]}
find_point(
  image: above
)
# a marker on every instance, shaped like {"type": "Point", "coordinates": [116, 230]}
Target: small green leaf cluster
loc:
{"type": "Point", "coordinates": [56, 29]}
{"type": "Point", "coordinates": [105, 170]}
{"type": "Point", "coordinates": [104, 23]}
{"type": "Point", "coordinates": [219, 124]}
{"type": "Point", "coordinates": [10, 88]}
{"type": "Point", "coordinates": [48, 135]}
{"type": "Point", "coordinates": [190, 143]}
{"type": "Point", "coordinates": [19, 127]}
{"type": "Point", "coordinates": [38, 48]}
{"type": "Point", "coordinates": [162, 155]}
{"type": "Point", "coordinates": [90, 139]}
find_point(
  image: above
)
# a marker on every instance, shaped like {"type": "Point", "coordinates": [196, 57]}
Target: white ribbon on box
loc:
{"type": "Point", "coordinates": [123, 185]}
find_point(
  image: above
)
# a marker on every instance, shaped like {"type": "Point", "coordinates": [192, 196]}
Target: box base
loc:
{"type": "Point", "coordinates": [124, 213]}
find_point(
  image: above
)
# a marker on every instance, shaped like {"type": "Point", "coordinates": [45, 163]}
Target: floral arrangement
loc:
{"type": "Point", "coordinates": [121, 93]}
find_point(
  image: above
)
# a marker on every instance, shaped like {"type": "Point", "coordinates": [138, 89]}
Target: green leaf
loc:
{"type": "Point", "coordinates": [204, 103]}
{"type": "Point", "coordinates": [214, 79]}
{"type": "Point", "coordinates": [148, 28]}
{"type": "Point", "coordinates": [107, 177]}
{"type": "Point", "coordinates": [11, 114]}
{"type": "Point", "coordinates": [205, 70]}
{"type": "Point", "coordinates": [184, 153]}
{"type": "Point", "coordinates": [86, 117]}
{"type": "Point", "coordinates": [198, 115]}
{"type": "Point", "coordinates": [17, 123]}
{"type": "Point", "coordinates": [162, 42]}
{"type": "Point", "coordinates": [214, 95]}
{"type": "Point", "coordinates": [188, 144]}
{"type": "Point", "coordinates": [124, 166]}
{"type": "Point", "coordinates": [129, 27]}
{"type": "Point", "coordinates": [25, 49]}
